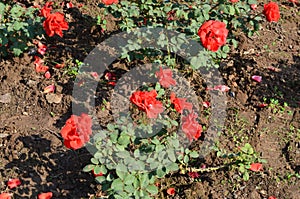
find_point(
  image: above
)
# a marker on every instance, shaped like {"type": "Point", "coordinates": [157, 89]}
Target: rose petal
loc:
{"type": "Point", "coordinates": [171, 191]}
{"type": "Point", "coordinates": [206, 104]}
{"type": "Point", "coordinates": [47, 75]}
{"type": "Point", "coordinates": [222, 88]}
{"type": "Point", "coordinates": [47, 195]}
{"type": "Point", "coordinates": [256, 167]}
{"type": "Point", "coordinates": [12, 183]}
{"type": "Point", "coordinates": [262, 105]}
{"type": "Point", "coordinates": [5, 195]}
{"type": "Point", "coordinates": [49, 89]}
{"type": "Point", "coordinates": [256, 78]}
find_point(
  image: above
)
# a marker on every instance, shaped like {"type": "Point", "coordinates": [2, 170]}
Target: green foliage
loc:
{"type": "Point", "coordinates": [132, 164]}
{"type": "Point", "coordinates": [18, 26]}
{"type": "Point", "coordinates": [242, 160]}
{"type": "Point", "coordinates": [186, 17]}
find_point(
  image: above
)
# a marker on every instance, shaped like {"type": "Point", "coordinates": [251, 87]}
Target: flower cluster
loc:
{"type": "Point", "coordinates": [146, 101]}
{"type": "Point", "coordinates": [77, 131]}
{"type": "Point", "coordinates": [55, 23]}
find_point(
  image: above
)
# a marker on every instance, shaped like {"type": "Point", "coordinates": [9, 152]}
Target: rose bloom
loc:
{"type": "Point", "coordinates": [213, 34]}
{"type": "Point", "coordinates": [271, 11]}
{"type": "Point", "coordinates": [109, 2]}
{"type": "Point", "coordinates": [165, 77]}
{"type": "Point", "coordinates": [191, 127]}
{"type": "Point", "coordinates": [233, 1]}
{"type": "Point", "coordinates": [55, 24]}
{"type": "Point", "coordinates": [77, 131]}
{"type": "Point", "coordinates": [146, 101]}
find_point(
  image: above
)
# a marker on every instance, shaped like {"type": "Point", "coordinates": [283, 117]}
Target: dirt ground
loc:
{"type": "Point", "coordinates": [32, 149]}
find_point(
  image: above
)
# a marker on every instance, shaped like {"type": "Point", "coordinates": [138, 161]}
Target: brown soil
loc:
{"type": "Point", "coordinates": [32, 149]}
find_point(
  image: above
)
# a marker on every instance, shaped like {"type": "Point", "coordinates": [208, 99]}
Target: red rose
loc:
{"type": "Point", "coordinates": [213, 34]}
{"type": "Point", "coordinates": [45, 11]}
{"type": "Point", "coordinates": [55, 24]}
{"type": "Point", "coordinates": [191, 127]}
{"type": "Point", "coordinates": [165, 77]}
{"type": "Point", "coordinates": [233, 1]}
{"type": "Point", "coordinates": [271, 11]}
{"type": "Point", "coordinates": [109, 2]}
{"type": "Point", "coordinates": [180, 103]}
{"type": "Point", "coordinates": [77, 131]}
{"type": "Point", "coordinates": [147, 101]}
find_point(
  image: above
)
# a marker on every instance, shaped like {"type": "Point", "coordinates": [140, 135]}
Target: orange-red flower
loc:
{"type": "Point", "coordinates": [233, 1]}
{"type": "Point", "coordinates": [77, 131]}
{"type": "Point", "coordinates": [54, 24]}
{"type": "Point", "coordinates": [213, 34]}
{"type": "Point", "coordinates": [165, 77]}
{"type": "Point", "coordinates": [12, 183]}
{"type": "Point", "coordinates": [146, 101]}
{"type": "Point", "coordinates": [271, 11]}
{"type": "Point", "coordinates": [109, 2]}
{"type": "Point", "coordinates": [191, 127]}
{"type": "Point", "coordinates": [256, 167]}
{"type": "Point", "coordinates": [180, 103]}
{"type": "Point", "coordinates": [47, 195]}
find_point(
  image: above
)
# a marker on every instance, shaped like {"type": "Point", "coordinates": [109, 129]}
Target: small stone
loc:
{"type": "Point", "coordinates": [53, 98]}
{"type": "Point", "coordinates": [6, 98]}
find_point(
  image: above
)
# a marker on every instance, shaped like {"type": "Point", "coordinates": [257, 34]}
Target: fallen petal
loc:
{"type": "Point", "coordinates": [262, 105]}
{"type": "Point", "coordinates": [12, 183]}
{"type": "Point", "coordinates": [5, 195]}
{"type": "Point", "coordinates": [206, 104]}
{"type": "Point", "coordinates": [47, 195]}
{"type": "Point", "coordinates": [256, 78]}
{"type": "Point", "coordinates": [49, 89]}
{"type": "Point", "coordinates": [47, 75]}
{"type": "Point", "coordinates": [222, 88]}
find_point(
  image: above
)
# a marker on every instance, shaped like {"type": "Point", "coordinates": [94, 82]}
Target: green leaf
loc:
{"type": "Point", "coordinates": [100, 179]}
{"type": "Point", "coordinates": [124, 139]}
{"type": "Point", "coordinates": [186, 159]}
{"type": "Point", "coordinates": [172, 167]}
{"type": "Point", "coordinates": [171, 155]}
{"type": "Point", "coordinates": [246, 176]}
{"type": "Point", "coordinates": [129, 179]}
{"type": "Point", "coordinates": [117, 185]}
{"type": "Point", "coordinates": [121, 167]}
{"type": "Point", "coordinates": [194, 154]}
{"type": "Point", "coordinates": [121, 174]}
{"type": "Point", "coordinates": [152, 189]}
{"type": "Point", "coordinates": [94, 161]}
{"type": "Point", "coordinates": [88, 168]}
{"type": "Point", "coordinates": [129, 189]}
